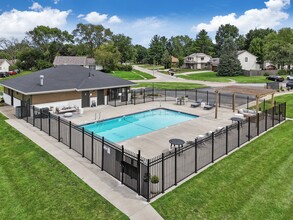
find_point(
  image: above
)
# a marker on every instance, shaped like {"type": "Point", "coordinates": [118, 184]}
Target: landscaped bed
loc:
{"type": "Point", "coordinates": [255, 182]}
{"type": "Point", "coordinates": [212, 77]}
{"type": "Point", "coordinates": [34, 185]}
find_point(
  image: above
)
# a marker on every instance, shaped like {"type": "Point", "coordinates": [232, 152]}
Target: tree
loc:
{"type": "Point", "coordinates": [141, 54]}
{"type": "Point", "coordinates": [229, 64]}
{"type": "Point", "coordinates": [124, 46]}
{"type": "Point", "coordinates": [157, 48]}
{"type": "Point", "coordinates": [181, 46]}
{"type": "Point", "coordinates": [256, 48]}
{"type": "Point", "coordinates": [92, 36]}
{"type": "Point", "coordinates": [224, 32]}
{"type": "Point", "coordinates": [256, 33]}
{"type": "Point", "coordinates": [240, 42]}
{"type": "Point", "coordinates": [108, 56]}
{"type": "Point", "coordinates": [28, 58]}
{"type": "Point", "coordinates": [166, 60]}
{"type": "Point", "coordinates": [203, 43]}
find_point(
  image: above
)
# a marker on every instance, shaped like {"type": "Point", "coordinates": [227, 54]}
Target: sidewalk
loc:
{"type": "Point", "coordinates": [126, 200]}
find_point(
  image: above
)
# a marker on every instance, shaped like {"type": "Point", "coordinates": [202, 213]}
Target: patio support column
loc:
{"type": "Point", "coordinates": [233, 104]}
{"type": "Point", "coordinates": [273, 102]}
{"type": "Point", "coordinates": [217, 104]}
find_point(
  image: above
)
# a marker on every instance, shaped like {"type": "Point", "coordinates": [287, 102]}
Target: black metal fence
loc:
{"type": "Point", "coordinates": [169, 168]}
{"type": "Point", "coordinates": [144, 95]}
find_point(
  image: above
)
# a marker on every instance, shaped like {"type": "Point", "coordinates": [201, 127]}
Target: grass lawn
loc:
{"type": "Point", "coordinates": [34, 185]}
{"type": "Point", "coordinates": [255, 182]}
{"type": "Point", "coordinates": [151, 67]}
{"type": "Point", "coordinates": [171, 85]}
{"type": "Point", "coordinates": [132, 75]}
{"type": "Point", "coordinates": [212, 77]}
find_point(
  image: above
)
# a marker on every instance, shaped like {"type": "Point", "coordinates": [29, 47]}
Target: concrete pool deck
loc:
{"type": "Point", "coordinates": [154, 143]}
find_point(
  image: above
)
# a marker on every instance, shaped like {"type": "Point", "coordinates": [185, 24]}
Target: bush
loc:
{"type": "Point", "coordinates": [282, 72]}
{"type": "Point", "coordinates": [266, 74]}
{"type": "Point", "coordinates": [124, 67]}
{"type": "Point", "coordinates": [154, 179]}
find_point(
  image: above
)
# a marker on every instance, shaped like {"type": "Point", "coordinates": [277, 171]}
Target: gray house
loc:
{"type": "Point", "coordinates": [65, 85]}
{"type": "Point", "coordinates": [76, 61]}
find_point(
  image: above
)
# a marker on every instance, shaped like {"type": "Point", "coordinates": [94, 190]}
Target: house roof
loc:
{"type": "Point", "coordinates": [73, 60]}
{"type": "Point", "coordinates": [198, 55]}
{"type": "Point", "coordinates": [242, 51]}
{"type": "Point", "coordinates": [215, 61]}
{"type": "Point", "coordinates": [174, 59]}
{"type": "Point", "coordinates": [64, 78]}
{"type": "Point", "coordinates": [3, 60]}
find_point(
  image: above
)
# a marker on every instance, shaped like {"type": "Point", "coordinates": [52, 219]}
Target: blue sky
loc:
{"type": "Point", "coordinates": [142, 19]}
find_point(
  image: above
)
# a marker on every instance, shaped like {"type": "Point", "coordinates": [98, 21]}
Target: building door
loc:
{"type": "Point", "coordinates": [85, 99]}
{"type": "Point", "coordinates": [100, 97]}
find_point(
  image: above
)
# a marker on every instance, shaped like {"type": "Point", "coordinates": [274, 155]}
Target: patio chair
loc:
{"type": "Point", "coordinates": [209, 106]}
{"type": "Point", "coordinates": [196, 104]}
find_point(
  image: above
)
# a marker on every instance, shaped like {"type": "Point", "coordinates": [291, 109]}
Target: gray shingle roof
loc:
{"type": "Point", "coordinates": [73, 60]}
{"type": "Point", "coordinates": [66, 78]}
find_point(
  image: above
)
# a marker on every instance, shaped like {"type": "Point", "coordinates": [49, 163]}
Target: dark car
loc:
{"type": "Point", "coordinates": [276, 78]}
{"type": "Point", "coordinates": [2, 75]}
{"type": "Point", "coordinates": [289, 84]}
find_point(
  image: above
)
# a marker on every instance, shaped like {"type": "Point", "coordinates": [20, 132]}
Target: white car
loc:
{"type": "Point", "coordinates": [289, 77]}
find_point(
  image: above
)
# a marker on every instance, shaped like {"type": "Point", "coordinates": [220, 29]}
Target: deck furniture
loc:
{"type": "Point", "coordinates": [209, 106]}
{"type": "Point", "coordinates": [196, 104]}
{"type": "Point", "coordinates": [176, 143]}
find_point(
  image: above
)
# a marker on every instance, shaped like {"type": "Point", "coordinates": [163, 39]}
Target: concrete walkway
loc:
{"type": "Point", "coordinates": [126, 200]}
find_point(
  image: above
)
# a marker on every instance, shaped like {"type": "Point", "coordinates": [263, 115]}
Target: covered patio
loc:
{"type": "Point", "coordinates": [257, 92]}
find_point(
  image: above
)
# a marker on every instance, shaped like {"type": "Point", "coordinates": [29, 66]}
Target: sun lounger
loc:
{"type": "Point", "coordinates": [209, 106]}
{"type": "Point", "coordinates": [196, 104]}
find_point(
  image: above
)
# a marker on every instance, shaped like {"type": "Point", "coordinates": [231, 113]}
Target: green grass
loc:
{"type": "Point", "coordinates": [171, 85]}
{"type": "Point", "coordinates": [212, 77]}
{"type": "Point", "coordinates": [132, 75]}
{"type": "Point", "coordinates": [34, 185]}
{"type": "Point", "coordinates": [151, 67]}
{"type": "Point", "coordinates": [255, 182]}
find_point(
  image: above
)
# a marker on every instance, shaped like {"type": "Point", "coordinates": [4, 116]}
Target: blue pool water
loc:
{"type": "Point", "coordinates": [129, 126]}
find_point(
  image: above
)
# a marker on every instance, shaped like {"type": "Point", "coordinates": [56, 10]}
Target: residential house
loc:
{"type": "Point", "coordinates": [248, 60]}
{"type": "Point", "coordinates": [214, 64]}
{"type": "Point", "coordinates": [197, 61]}
{"type": "Point", "coordinates": [4, 65]}
{"type": "Point", "coordinates": [175, 61]}
{"type": "Point", "coordinates": [65, 86]}
{"type": "Point", "coordinates": [76, 60]}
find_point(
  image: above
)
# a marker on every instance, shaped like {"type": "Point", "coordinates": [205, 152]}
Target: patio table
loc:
{"type": "Point", "coordinates": [177, 143]}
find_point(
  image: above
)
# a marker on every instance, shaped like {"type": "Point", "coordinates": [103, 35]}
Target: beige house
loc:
{"type": "Point", "coordinates": [197, 61]}
{"type": "Point", "coordinates": [4, 65]}
{"type": "Point", "coordinates": [248, 60]}
{"type": "Point", "coordinates": [175, 61]}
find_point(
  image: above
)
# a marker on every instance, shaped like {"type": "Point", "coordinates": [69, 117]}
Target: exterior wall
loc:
{"type": "Point", "coordinates": [250, 63]}
{"type": "Point", "coordinates": [196, 62]}
{"type": "Point", "coordinates": [4, 67]}
{"type": "Point", "coordinates": [75, 102]}
{"type": "Point", "coordinates": [7, 98]}
{"type": "Point", "coordinates": [55, 97]}
{"type": "Point", "coordinates": [16, 102]}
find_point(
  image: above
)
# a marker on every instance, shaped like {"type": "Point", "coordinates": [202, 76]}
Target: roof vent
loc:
{"type": "Point", "coordinates": [41, 80]}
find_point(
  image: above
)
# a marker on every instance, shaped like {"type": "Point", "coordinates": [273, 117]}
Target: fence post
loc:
{"type": "Point", "coordinates": [144, 96]}
{"type": "Point", "coordinates": [165, 95]}
{"type": "Point", "coordinates": [115, 97]}
{"type": "Point", "coordinates": [148, 178]}
{"type": "Point", "coordinates": [175, 166]}
{"type": "Point", "coordinates": [153, 96]}
{"type": "Point", "coordinates": [184, 92]}
{"type": "Point", "coordinates": [195, 94]}
{"type": "Point", "coordinates": [227, 150]}
{"type": "Point", "coordinates": [249, 135]}
{"type": "Point", "coordinates": [195, 155]}
{"type": "Point", "coordinates": [163, 174]}
{"type": "Point", "coordinates": [257, 121]}
{"type": "Point", "coordinates": [273, 116]}
{"type": "Point", "coordinates": [34, 116]}
{"type": "Point", "coordinates": [122, 178]}
{"type": "Point", "coordinates": [28, 109]}
{"type": "Point", "coordinates": [82, 149]}
{"type": "Point", "coordinates": [207, 96]}
{"type": "Point", "coordinates": [247, 102]}
{"type": "Point", "coordinates": [219, 99]}
{"type": "Point", "coordinates": [266, 120]}
{"type": "Point", "coordinates": [134, 97]}
{"type": "Point", "coordinates": [102, 162]}
{"type": "Point", "coordinates": [41, 120]}
{"type": "Point", "coordinates": [58, 128]}
{"type": "Point", "coordinates": [70, 126]}
{"type": "Point", "coordinates": [285, 110]}
{"type": "Point", "coordinates": [92, 156]}
{"type": "Point", "coordinates": [264, 105]}
{"type": "Point", "coordinates": [238, 129]}
{"type": "Point", "coordinates": [213, 147]}
{"type": "Point", "coordinates": [175, 93]}
{"type": "Point", "coordinates": [49, 118]}
{"type": "Point", "coordinates": [138, 173]}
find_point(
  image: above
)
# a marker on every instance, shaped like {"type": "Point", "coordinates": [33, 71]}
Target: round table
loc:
{"type": "Point", "coordinates": [176, 142]}
{"type": "Point", "coordinates": [237, 119]}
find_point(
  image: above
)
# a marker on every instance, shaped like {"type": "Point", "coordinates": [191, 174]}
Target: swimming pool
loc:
{"type": "Point", "coordinates": [129, 126]}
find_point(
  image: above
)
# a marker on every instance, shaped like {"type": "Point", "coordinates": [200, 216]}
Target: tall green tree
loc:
{"type": "Point", "coordinates": [203, 43]}
{"type": "Point", "coordinates": [166, 59]}
{"type": "Point", "coordinates": [156, 49]}
{"type": "Point", "coordinates": [108, 56]}
{"type": "Point", "coordinates": [92, 36]}
{"type": "Point", "coordinates": [29, 57]}
{"type": "Point", "coordinates": [181, 46]}
{"type": "Point", "coordinates": [224, 32]}
{"type": "Point", "coordinates": [141, 54]}
{"type": "Point", "coordinates": [229, 64]}
{"type": "Point", "coordinates": [124, 46]}
{"type": "Point", "coordinates": [257, 48]}
{"type": "Point", "coordinates": [256, 33]}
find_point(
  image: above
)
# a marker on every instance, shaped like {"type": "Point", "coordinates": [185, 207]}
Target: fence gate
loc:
{"type": "Point", "coordinates": [130, 172]}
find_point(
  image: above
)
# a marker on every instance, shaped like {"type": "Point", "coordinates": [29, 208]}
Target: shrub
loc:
{"type": "Point", "coordinates": [282, 72]}
{"type": "Point", "coordinates": [124, 67]}
{"type": "Point", "coordinates": [266, 74]}
{"type": "Point", "coordinates": [154, 179]}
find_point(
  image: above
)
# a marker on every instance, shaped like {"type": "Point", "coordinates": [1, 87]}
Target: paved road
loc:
{"type": "Point", "coordinates": [161, 77]}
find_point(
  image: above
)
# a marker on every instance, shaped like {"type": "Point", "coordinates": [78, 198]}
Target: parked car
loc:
{"type": "Point", "coordinates": [276, 78]}
{"type": "Point", "coordinates": [2, 75]}
{"type": "Point", "coordinates": [290, 77]}
{"type": "Point", "coordinates": [12, 72]}
{"type": "Point", "coordinates": [289, 84]}
{"type": "Point", "coordinates": [17, 71]}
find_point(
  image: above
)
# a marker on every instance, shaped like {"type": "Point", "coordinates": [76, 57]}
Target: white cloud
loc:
{"type": "Point", "coordinates": [36, 7]}
{"type": "Point", "coordinates": [80, 16]}
{"type": "Point", "coordinates": [95, 17]}
{"type": "Point", "coordinates": [269, 17]}
{"type": "Point", "coordinates": [17, 23]}
{"type": "Point", "coordinates": [56, 2]}
{"type": "Point", "coordinates": [115, 19]}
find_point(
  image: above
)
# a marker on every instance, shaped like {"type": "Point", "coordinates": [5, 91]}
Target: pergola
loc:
{"type": "Point", "coordinates": [257, 92]}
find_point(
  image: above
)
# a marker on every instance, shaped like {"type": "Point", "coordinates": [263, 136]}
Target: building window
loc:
{"type": "Point", "coordinates": [202, 58]}
{"type": "Point", "coordinates": [246, 59]}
